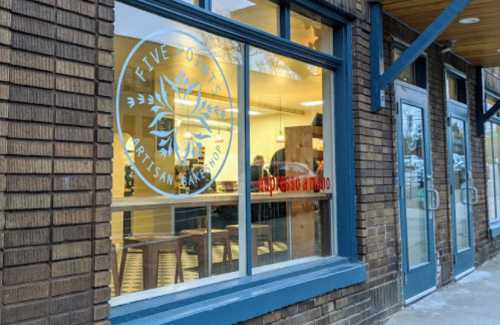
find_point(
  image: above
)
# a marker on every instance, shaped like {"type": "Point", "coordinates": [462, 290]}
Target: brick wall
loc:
{"type": "Point", "coordinates": [55, 104]}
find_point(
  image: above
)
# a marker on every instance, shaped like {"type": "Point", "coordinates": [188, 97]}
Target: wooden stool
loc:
{"type": "Point", "coordinates": [152, 246]}
{"type": "Point", "coordinates": [261, 230]}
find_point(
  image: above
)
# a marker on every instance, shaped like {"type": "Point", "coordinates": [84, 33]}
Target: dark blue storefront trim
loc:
{"type": "Point", "coordinates": [244, 298]}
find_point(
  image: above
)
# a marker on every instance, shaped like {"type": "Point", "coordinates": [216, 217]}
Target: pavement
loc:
{"type": "Point", "coordinates": [473, 300]}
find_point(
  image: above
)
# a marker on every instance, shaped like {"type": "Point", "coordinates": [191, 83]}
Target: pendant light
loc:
{"type": "Point", "coordinates": [281, 137]}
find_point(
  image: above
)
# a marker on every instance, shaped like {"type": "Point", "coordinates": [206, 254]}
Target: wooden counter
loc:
{"type": "Point", "coordinates": [212, 199]}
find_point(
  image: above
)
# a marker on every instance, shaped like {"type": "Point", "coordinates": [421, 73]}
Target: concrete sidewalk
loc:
{"type": "Point", "coordinates": [473, 300]}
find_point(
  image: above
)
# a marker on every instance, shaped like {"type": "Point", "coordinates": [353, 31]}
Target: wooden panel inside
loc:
{"type": "Point", "coordinates": [478, 43]}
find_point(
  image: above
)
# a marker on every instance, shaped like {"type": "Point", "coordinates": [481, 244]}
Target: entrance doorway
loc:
{"type": "Point", "coordinates": [463, 193]}
{"type": "Point", "coordinates": [418, 198]}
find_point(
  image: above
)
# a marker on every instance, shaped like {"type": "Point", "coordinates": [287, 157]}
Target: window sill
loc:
{"type": "Point", "coordinates": [240, 299]}
{"type": "Point", "coordinates": [495, 228]}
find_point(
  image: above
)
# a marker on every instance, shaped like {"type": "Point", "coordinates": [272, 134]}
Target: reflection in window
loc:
{"type": "Point", "coordinates": [461, 181]}
{"type": "Point", "coordinates": [415, 199]}
{"type": "Point", "coordinates": [262, 14]}
{"type": "Point", "coordinates": [311, 33]}
{"type": "Point", "coordinates": [492, 155]}
{"type": "Point", "coordinates": [456, 87]}
{"type": "Point", "coordinates": [408, 74]}
{"type": "Point", "coordinates": [292, 158]}
{"type": "Point", "coordinates": [178, 118]}
{"type": "Point", "coordinates": [415, 73]}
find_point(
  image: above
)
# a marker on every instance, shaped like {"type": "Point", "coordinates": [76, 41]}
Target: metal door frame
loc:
{"type": "Point", "coordinates": [417, 97]}
{"type": "Point", "coordinates": [461, 267]}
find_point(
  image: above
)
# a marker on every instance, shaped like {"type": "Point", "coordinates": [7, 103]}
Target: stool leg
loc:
{"type": "Point", "coordinates": [114, 270]}
{"type": "Point", "coordinates": [158, 267]}
{"type": "Point", "coordinates": [270, 242]}
{"type": "Point", "coordinates": [123, 262]}
{"type": "Point", "coordinates": [229, 251]}
{"type": "Point", "coordinates": [179, 273]}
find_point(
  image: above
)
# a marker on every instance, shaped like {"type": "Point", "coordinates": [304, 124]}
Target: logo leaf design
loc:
{"type": "Point", "coordinates": [131, 102]}
{"type": "Point", "coordinates": [203, 122]}
{"type": "Point", "coordinates": [161, 134]}
{"type": "Point", "coordinates": [200, 136]}
{"type": "Point", "coordinates": [158, 118]}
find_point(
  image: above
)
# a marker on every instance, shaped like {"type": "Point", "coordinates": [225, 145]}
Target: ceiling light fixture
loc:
{"type": "Point", "coordinates": [235, 110]}
{"type": "Point", "coordinates": [469, 20]}
{"type": "Point", "coordinates": [313, 103]}
{"type": "Point", "coordinates": [498, 50]}
{"type": "Point", "coordinates": [185, 102]}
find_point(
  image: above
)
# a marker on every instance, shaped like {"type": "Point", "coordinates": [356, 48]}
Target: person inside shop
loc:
{"type": "Point", "coordinates": [257, 171]}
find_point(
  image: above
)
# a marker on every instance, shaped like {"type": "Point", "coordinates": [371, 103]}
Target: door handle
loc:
{"type": "Point", "coordinates": [463, 198]}
{"type": "Point", "coordinates": [436, 199]}
{"type": "Point", "coordinates": [475, 195]}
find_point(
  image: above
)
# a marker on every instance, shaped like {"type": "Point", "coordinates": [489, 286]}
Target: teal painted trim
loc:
{"type": "Point", "coordinates": [376, 54]}
{"type": "Point", "coordinates": [416, 49]}
{"type": "Point", "coordinates": [495, 228]}
{"type": "Point", "coordinates": [345, 171]}
{"type": "Point", "coordinates": [242, 299]}
{"type": "Point", "coordinates": [285, 21]}
{"type": "Point", "coordinates": [422, 42]}
{"type": "Point", "coordinates": [247, 188]}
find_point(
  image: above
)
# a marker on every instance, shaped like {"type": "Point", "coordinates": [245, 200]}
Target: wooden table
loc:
{"type": "Point", "coordinates": [257, 229]}
{"type": "Point", "coordinates": [151, 245]}
{"type": "Point", "coordinates": [209, 200]}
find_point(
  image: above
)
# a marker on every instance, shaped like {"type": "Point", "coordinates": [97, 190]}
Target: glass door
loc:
{"type": "Point", "coordinates": [463, 193]}
{"type": "Point", "coordinates": [418, 198]}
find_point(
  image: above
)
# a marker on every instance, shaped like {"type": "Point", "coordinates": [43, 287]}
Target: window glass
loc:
{"type": "Point", "coordinates": [492, 155]}
{"type": "Point", "coordinates": [262, 14]}
{"type": "Point", "coordinates": [490, 170]}
{"type": "Point", "coordinates": [408, 74]}
{"type": "Point", "coordinates": [490, 102]}
{"type": "Point", "coordinates": [175, 164]}
{"type": "Point", "coordinates": [416, 73]}
{"type": "Point", "coordinates": [292, 158]}
{"type": "Point", "coordinates": [456, 88]}
{"type": "Point", "coordinates": [311, 33]}
{"type": "Point", "coordinates": [193, 2]}
{"type": "Point", "coordinates": [496, 164]}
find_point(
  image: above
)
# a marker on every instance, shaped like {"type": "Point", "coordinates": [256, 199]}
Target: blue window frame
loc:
{"type": "Point", "coordinates": [492, 162]}
{"type": "Point", "coordinates": [253, 294]}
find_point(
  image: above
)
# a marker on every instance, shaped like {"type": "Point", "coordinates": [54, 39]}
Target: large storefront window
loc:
{"type": "Point", "coordinates": [289, 136]}
{"type": "Point", "coordinates": [178, 197]}
{"type": "Point", "coordinates": [492, 156]}
{"type": "Point", "coordinates": [175, 186]}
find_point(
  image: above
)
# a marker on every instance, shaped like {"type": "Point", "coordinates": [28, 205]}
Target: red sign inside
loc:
{"type": "Point", "coordinates": [293, 184]}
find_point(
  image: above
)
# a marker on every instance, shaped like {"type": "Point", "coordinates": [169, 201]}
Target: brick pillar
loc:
{"type": "Point", "coordinates": [5, 40]}
{"type": "Point", "coordinates": [56, 102]}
